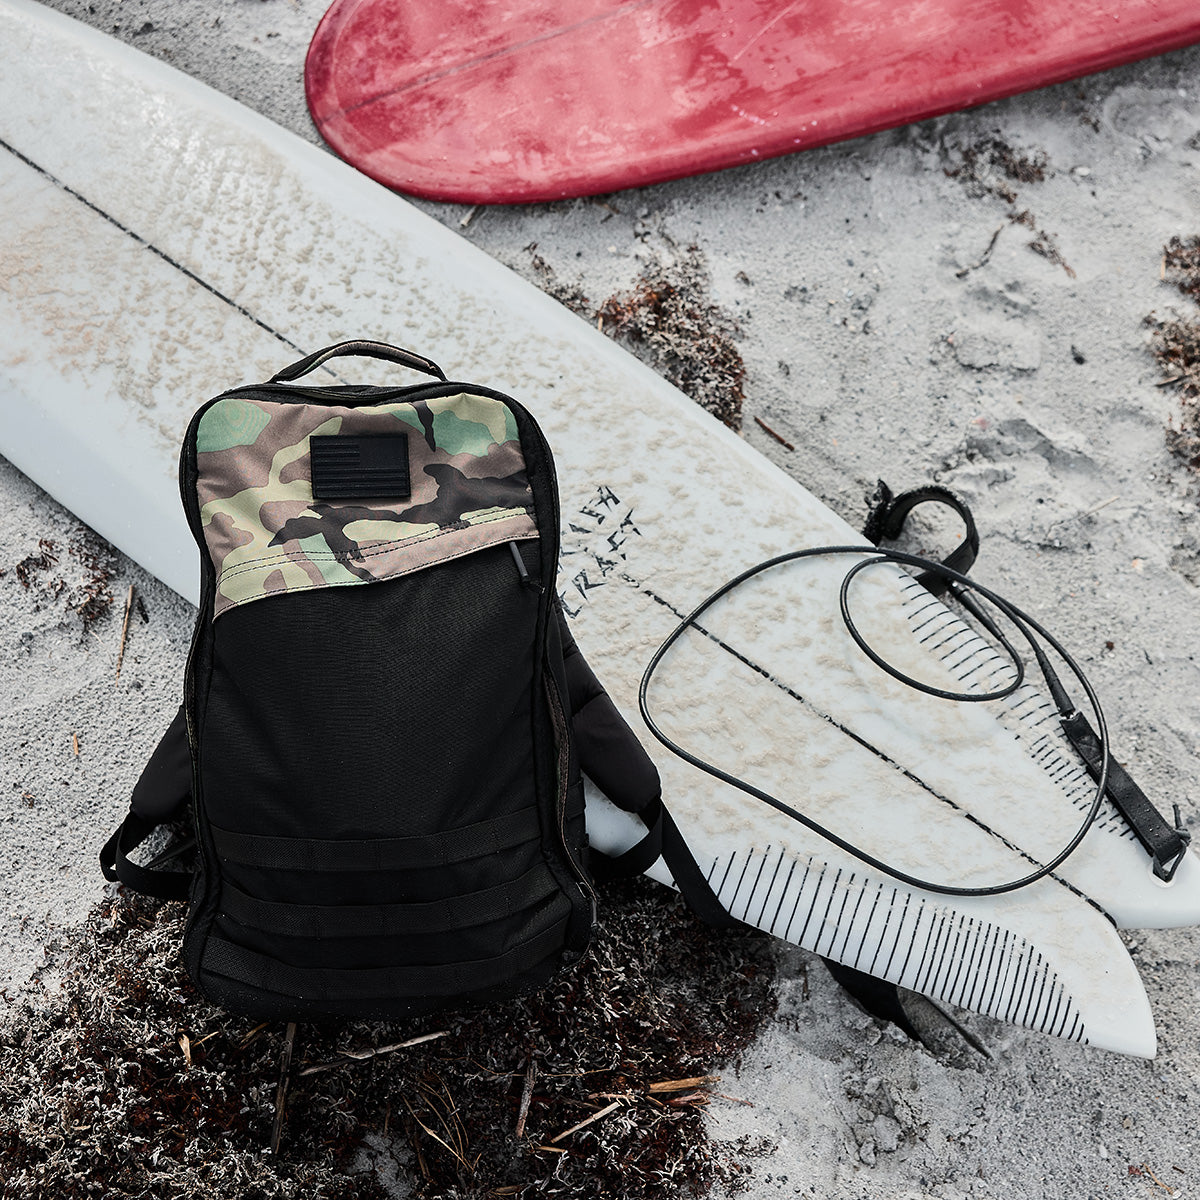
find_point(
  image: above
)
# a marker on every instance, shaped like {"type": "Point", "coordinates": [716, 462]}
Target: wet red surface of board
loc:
{"type": "Point", "coordinates": [495, 101]}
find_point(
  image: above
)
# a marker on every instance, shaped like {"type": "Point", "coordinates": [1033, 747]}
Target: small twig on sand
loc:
{"type": "Point", "coordinates": [124, 631]}
{"type": "Point", "coordinates": [526, 1096]}
{"type": "Point", "coordinates": [289, 1041]}
{"type": "Point", "coordinates": [1165, 1187]}
{"type": "Point", "coordinates": [253, 1034]}
{"type": "Point", "coordinates": [683, 1085]}
{"type": "Point", "coordinates": [1103, 504]}
{"type": "Point", "coordinates": [778, 437]}
{"type": "Point", "coordinates": [596, 1116]}
{"type": "Point", "coordinates": [983, 258]}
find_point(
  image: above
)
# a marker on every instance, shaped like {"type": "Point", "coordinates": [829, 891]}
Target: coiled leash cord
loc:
{"type": "Point", "coordinates": [1165, 845]}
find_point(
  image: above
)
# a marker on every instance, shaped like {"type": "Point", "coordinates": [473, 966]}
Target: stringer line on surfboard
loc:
{"type": "Point", "coordinates": [50, 177]}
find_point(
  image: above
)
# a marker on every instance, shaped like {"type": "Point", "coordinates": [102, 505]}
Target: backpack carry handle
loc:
{"type": "Point", "coordinates": [360, 348]}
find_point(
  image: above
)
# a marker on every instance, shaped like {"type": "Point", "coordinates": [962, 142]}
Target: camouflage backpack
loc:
{"type": "Point", "coordinates": [378, 751]}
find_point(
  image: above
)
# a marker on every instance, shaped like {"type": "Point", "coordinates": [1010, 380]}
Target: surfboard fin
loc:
{"type": "Point", "coordinates": [876, 996]}
{"type": "Point", "coordinates": [881, 1000]}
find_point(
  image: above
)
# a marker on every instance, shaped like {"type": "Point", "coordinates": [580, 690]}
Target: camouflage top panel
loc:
{"type": "Point", "coordinates": [266, 534]}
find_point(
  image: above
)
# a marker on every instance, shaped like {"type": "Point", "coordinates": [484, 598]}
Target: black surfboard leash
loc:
{"type": "Point", "coordinates": [1165, 845]}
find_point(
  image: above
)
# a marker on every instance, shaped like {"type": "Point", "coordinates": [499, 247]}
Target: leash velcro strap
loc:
{"type": "Point", "coordinates": [1165, 845]}
{"type": "Point", "coordinates": [118, 867]}
{"type": "Point", "coordinates": [889, 512]}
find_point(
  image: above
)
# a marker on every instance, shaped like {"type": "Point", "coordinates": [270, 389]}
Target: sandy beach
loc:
{"type": "Point", "coordinates": [970, 301]}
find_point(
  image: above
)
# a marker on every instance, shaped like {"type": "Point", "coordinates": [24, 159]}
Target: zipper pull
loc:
{"type": "Point", "coordinates": [522, 571]}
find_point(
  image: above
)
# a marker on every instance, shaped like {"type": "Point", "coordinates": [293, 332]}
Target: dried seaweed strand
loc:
{"type": "Point", "coordinates": [526, 1096]}
{"type": "Point", "coordinates": [289, 1041]}
{"type": "Point", "coordinates": [596, 1116]}
{"type": "Point", "coordinates": [682, 1085]}
{"type": "Point", "coordinates": [366, 1053]}
{"type": "Point", "coordinates": [124, 631]}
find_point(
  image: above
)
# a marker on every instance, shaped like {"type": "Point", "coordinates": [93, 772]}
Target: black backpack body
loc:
{"type": "Point", "coordinates": [377, 745]}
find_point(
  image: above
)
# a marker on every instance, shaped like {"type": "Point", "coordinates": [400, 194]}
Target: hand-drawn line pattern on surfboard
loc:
{"type": "Point", "coordinates": [913, 942]}
{"type": "Point", "coordinates": [268, 197]}
{"type": "Point", "coordinates": [1028, 713]}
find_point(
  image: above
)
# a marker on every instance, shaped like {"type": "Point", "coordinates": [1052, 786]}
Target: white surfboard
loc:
{"type": "Point", "coordinates": [162, 243]}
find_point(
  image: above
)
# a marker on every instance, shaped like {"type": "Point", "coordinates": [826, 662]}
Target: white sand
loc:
{"type": "Point", "coordinates": [874, 354]}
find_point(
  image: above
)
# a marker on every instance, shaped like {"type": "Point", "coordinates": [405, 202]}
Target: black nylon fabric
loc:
{"type": "Point", "coordinates": [408, 886]}
{"type": "Point", "coordinates": [441, 849]}
{"type": "Point", "coordinates": [609, 752]}
{"type": "Point", "coordinates": [460, 910]}
{"type": "Point", "coordinates": [374, 711]}
{"type": "Point", "coordinates": [164, 788]}
{"type": "Point", "coordinates": [508, 929]}
{"type": "Point", "coordinates": [322, 989]}
{"type": "Point", "coordinates": [384, 777]}
{"type": "Point", "coordinates": [265, 1005]}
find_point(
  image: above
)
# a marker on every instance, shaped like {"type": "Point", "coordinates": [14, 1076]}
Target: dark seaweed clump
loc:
{"type": "Point", "coordinates": [1175, 344]}
{"type": "Point", "coordinates": [989, 166]}
{"type": "Point", "coordinates": [669, 319]}
{"type": "Point", "coordinates": [127, 1084]}
{"type": "Point", "coordinates": [85, 590]}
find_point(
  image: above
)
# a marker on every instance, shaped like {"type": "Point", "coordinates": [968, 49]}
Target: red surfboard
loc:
{"type": "Point", "coordinates": [496, 101]}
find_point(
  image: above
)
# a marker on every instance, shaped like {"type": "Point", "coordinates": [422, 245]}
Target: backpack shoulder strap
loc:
{"type": "Point", "coordinates": [611, 755]}
{"type": "Point", "coordinates": [160, 795]}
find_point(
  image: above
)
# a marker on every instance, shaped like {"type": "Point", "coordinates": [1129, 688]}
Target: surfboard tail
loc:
{"type": "Point", "coordinates": [1011, 962]}
{"type": "Point", "coordinates": [1043, 959]}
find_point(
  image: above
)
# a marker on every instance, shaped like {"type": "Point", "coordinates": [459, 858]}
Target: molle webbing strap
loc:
{"type": "Point", "coordinates": [379, 854]}
{"type": "Point", "coordinates": [1166, 846]}
{"type": "Point", "coordinates": [332, 985]}
{"type": "Point", "coordinates": [536, 886]}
